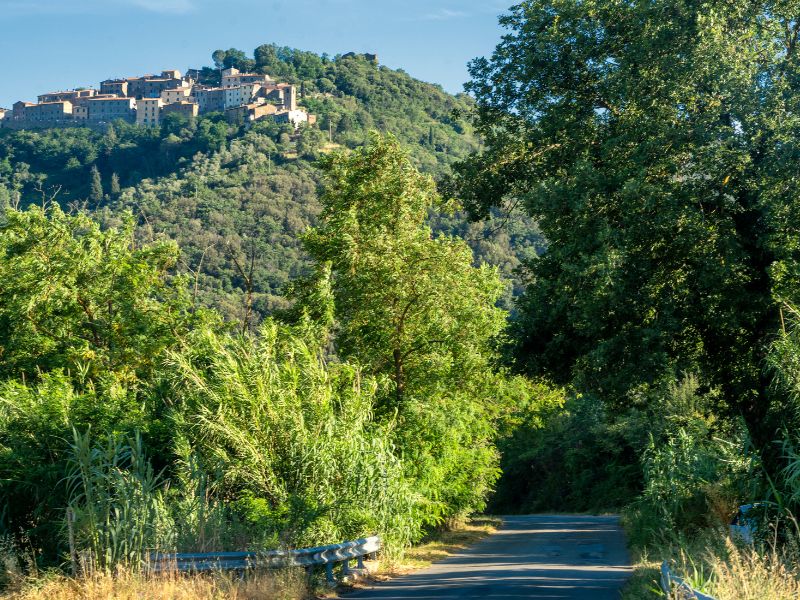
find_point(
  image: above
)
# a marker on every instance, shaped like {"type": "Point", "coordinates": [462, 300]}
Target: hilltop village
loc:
{"type": "Point", "coordinates": [145, 100]}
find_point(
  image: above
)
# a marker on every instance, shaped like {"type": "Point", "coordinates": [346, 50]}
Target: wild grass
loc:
{"type": "Point", "coordinates": [716, 565]}
{"type": "Point", "coordinates": [446, 542]}
{"type": "Point", "coordinates": [747, 574]}
{"type": "Point", "coordinates": [273, 585]}
{"type": "Point", "coordinates": [438, 545]}
{"type": "Point", "coordinates": [283, 585]}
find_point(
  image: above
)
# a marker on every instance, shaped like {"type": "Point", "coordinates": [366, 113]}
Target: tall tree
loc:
{"type": "Point", "coordinates": [82, 299]}
{"type": "Point", "coordinates": [655, 143]}
{"type": "Point", "coordinates": [412, 308]}
{"type": "Point", "coordinates": [115, 187]}
{"type": "Point", "coordinates": [408, 304]}
{"type": "Point", "coordinates": [95, 186]}
{"type": "Point", "coordinates": [218, 56]}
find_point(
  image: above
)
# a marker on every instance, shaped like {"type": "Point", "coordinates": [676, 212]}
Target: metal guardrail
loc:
{"type": "Point", "coordinates": [309, 558]}
{"type": "Point", "coordinates": [677, 588]}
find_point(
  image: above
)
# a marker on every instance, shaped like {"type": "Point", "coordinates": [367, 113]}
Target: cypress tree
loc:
{"type": "Point", "coordinates": [95, 186]}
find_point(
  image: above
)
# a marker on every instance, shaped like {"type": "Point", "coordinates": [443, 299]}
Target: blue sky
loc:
{"type": "Point", "coordinates": [61, 44]}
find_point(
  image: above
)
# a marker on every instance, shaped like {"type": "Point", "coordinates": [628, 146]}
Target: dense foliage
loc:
{"type": "Point", "coordinates": [132, 419]}
{"type": "Point", "coordinates": [391, 284]}
{"type": "Point", "coordinates": [652, 142]}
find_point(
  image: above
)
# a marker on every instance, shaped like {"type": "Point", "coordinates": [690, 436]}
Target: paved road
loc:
{"type": "Point", "coordinates": [571, 557]}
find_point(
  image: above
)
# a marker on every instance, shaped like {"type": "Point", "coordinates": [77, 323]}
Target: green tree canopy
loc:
{"type": "Point", "coordinates": [408, 304]}
{"type": "Point", "coordinates": [77, 297]}
{"type": "Point", "coordinates": [411, 307]}
{"type": "Point", "coordinates": [655, 144]}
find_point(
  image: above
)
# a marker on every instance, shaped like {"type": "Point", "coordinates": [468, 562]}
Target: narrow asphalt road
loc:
{"type": "Point", "coordinates": [571, 557]}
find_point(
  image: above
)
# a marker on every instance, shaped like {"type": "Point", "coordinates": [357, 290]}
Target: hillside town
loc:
{"type": "Point", "coordinates": [145, 100]}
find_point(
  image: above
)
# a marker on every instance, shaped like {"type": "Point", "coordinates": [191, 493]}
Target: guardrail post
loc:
{"type": "Point", "coordinates": [360, 562]}
{"type": "Point", "coordinates": [329, 573]}
{"type": "Point", "coordinates": [345, 568]}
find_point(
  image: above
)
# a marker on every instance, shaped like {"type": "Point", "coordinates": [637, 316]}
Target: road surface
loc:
{"type": "Point", "coordinates": [571, 557]}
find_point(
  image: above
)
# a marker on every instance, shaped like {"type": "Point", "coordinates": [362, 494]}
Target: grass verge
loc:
{"type": "Point", "coordinates": [435, 547]}
{"type": "Point", "coordinates": [714, 564]}
{"type": "Point", "coordinates": [283, 585]}
{"type": "Point", "coordinates": [643, 583]}
{"type": "Point", "coordinates": [272, 585]}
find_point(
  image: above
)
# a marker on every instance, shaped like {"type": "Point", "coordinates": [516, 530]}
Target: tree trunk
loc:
{"type": "Point", "coordinates": [399, 376]}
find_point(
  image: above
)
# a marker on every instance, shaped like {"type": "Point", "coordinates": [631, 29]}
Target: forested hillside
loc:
{"type": "Point", "coordinates": [238, 198]}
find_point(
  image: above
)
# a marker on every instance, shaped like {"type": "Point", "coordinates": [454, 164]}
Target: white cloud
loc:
{"type": "Point", "coordinates": [163, 6]}
{"type": "Point", "coordinates": [60, 7]}
{"type": "Point", "coordinates": [444, 14]}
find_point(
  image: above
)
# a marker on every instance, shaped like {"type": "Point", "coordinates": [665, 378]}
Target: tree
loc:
{"type": "Point", "coordinates": [412, 308]}
{"type": "Point", "coordinates": [218, 56]}
{"type": "Point", "coordinates": [651, 142]}
{"type": "Point", "coordinates": [309, 142]}
{"type": "Point", "coordinates": [115, 188]}
{"type": "Point", "coordinates": [234, 58]}
{"type": "Point", "coordinates": [95, 186]}
{"type": "Point", "coordinates": [78, 298]}
{"type": "Point", "coordinates": [408, 304]}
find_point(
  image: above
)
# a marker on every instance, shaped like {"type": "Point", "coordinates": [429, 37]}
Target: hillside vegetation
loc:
{"type": "Point", "coordinates": [371, 405]}
{"type": "Point", "coordinates": [236, 198]}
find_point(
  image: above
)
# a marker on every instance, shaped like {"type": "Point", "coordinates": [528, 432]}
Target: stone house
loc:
{"type": "Point", "coordinates": [184, 107]}
{"type": "Point", "coordinates": [209, 99]}
{"type": "Point", "coordinates": [250, 112]}
{"type": "Point", "coordinates": [232, 77]}
{"type": "Point", "coordinates": [110, 109]}
{"type": "Point", "coordinates": [148, 111]}
{"type": "Point", "coordinates": [70, 95]}
{"type": "Point", "coordinates": [179, 94]}
{"type": "Point", "coordinates": [118, 87]}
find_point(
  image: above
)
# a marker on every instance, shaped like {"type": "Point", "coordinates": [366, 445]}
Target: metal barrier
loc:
{"type": "Point", "coordinates": [326, 556]}
{"type": "Point", "coordinates": [671, 583]}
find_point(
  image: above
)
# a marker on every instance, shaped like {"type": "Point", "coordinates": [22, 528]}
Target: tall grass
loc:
{"type": "Point", "coordinates": [747, 574]}
{"type": "Point", "coordinates": [116, 509]}
{"type": "Point", "coordinates": [285, 585]}
{"type": "Point", "coordinates": [293, 440]}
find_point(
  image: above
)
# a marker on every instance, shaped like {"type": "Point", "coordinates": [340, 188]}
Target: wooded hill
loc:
{"type": "Point", "coordinates": [237, 198]}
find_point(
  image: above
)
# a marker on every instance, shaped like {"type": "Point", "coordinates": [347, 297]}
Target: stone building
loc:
{"type": "Point", "coordinates": [209, 99]}
{"type": "Point", "coordinates": [150, 86]}
{"type": "Point", "coordinates": [118, 87]}
{"type": "Point", "coordinates": [295, 117]}
{"type": "Point", "coordinates": [179, 94]}
{"type": "Point", "coordinates": [241, 94]}
{"type": "Point", "coordinates": [284, 94]}
{"type": "Point", "coordinates": [70, 95]}
{"type": "Point", "coordinates": [48, 113]}
{"type": "Point", "coordinates": [110, 109]}
{"type": "Point", "coordinates": [232, 77]}
{"type": "Point", "coordinates": [18, 109]}
{"type": "Point", "coordinates": [184, 107]}
{"type": "Point", "coordinates": [148, 111]}
{"type": "Point", "coordinates": [250, 112]}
